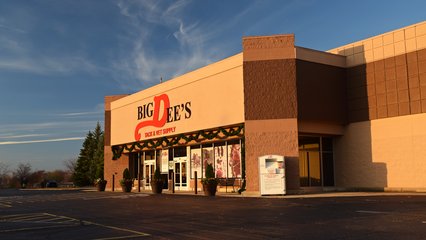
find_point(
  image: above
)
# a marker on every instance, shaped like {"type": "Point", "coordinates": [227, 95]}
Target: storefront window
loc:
{"type": "Point", "coordinates": [150, 155]}
{"type": "Point", "coordinates": [133, 164]}
{"type": "Point", "coordinates": [221, 166]}
{"type": "Point", "coordinates": [195, 161]}
{"type": "Point", "coordinates": [179, 152]}
{"type": "Point", "coordinates": [207, 157]}
{"type": "Point", "coordinates": [234, 160]}
{"type": "Point", "coordinates": [224, 156]}
{"type": "Point", "coordinates": [316, 167]}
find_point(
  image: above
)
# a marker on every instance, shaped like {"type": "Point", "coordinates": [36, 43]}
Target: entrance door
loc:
{"type": "Point", "coordinates": [310, 168]}
{"type": "Point", "coordinates": [181, 173]}
{"type": "Point", "coordinates": [149, 168]}
{"type": "Point", "coordinates": [316, 164]}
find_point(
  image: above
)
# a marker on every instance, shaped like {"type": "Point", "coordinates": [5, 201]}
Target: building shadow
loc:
{"type": "Point", "coordinates": [356, 167]}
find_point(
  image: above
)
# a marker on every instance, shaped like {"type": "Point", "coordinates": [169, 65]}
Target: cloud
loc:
{"type": "Point", "coordinates": [48, 65]}
{"type": "Point", "coordinates": [62, 126]}
{"type": "Point", "coordinates": [42, 141]}
{"type": "Point", "coordinates": [151, 22]}
{"type": "Point", "coordinates": [74, 114]}
{"type": "Point", "coordinates": [29, 51]}
{"type": "Point", "coordinates": [98, 110]}
{"type": "Point", "coordinates": [8, 136]}
{"type": "Point", "coordinates": [14, 29]}
{"type": "Point", "coordinates": [58, 128]}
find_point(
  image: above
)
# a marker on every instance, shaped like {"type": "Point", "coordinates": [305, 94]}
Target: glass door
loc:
{"type": "Point", "coordinates": [181, 173]}
{"type": "Point", "coordinates": [148, 173]}
{"type": "Point", "coordinates": [310, 169]}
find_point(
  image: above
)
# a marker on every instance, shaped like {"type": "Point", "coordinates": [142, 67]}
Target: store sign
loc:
{"type": "Point", "coordinates": [159, 112]}
{"type": "Point", "coordinates": [207, 98]}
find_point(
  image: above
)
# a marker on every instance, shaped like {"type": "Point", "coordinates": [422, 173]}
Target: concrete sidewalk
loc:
{"type": "Point", "coordinates": [310, 195]}
{"type": "Point", "coordinates": [335, 194]}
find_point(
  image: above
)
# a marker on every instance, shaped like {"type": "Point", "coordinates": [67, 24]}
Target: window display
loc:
{"type": "Point", "coordinates": [221, 166]}
{"type": "Point", "coordinates": [195, 162]}
{"type": "Point", "coordinates": [207, 157]}
{"type": "Point", "coordinates": [234, 160]}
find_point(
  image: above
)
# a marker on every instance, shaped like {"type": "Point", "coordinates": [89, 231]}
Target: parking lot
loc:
{"type": "Point", "coordinates": [105, 215]}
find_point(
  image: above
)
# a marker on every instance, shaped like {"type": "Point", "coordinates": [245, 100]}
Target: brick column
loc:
{"type": "Point", "coordinates": [112, 166]}
{"type": "Point", "coordinates": [270, 105]}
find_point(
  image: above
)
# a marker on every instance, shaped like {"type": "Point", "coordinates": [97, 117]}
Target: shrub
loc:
{"type": "Point", "coordinates": [157, 175]}
{"type": "Point", "coordinates": [126, 174]}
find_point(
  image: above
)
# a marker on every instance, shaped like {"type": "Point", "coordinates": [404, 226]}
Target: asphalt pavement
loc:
{"type": "Point", "coordinates": [78, 214]}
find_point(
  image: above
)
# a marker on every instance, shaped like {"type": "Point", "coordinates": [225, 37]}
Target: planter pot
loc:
{"type": "Point", "coordinates": [127, 186]}
{"type": "Point", "coordinates": [101, 186]}
{"type": "Point", "coordinates": [157, 187]}
{"type": "Point", "coordinates": [210, 188]}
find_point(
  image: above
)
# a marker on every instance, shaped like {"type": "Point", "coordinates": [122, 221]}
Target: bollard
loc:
{"type": "Point", "coordinates": [196, 182]}
{"type": "Point", "coordinates": [113, 182]}
{"type": "Point", "coordinates": [139, 182]}
{"type": "Point", "coordinates": [173, 182]}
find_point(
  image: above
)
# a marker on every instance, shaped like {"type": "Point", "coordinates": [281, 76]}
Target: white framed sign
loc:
{"type": "Point", "coordinates": [165, 160]}
{"type": "Point", "coordinates": [272, 175]}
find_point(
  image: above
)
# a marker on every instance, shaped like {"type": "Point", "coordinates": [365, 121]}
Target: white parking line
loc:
{"type": "Point", "coordinates": [7, 201]}
{"type": "Point", "coordinates": [51, 219]}
{"type": "Point", "coordinates": [55, 221]}
{"type": "Point", "coordinates": [123, 237]}
{"type": "Point", "coordinates": [26, 217]}
{"type": "Point", "coordinates": [136, 233]}
{"type": "Point", "coordinates": [5, 205]}
{"type": "Point", "coordinates": [372, 212]}
{"type": "Point", "coordinates": [32, 228]}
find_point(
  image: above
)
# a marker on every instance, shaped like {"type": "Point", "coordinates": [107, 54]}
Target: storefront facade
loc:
{"type": "Point", "coordinates": [346, 118]}
{"type": "Point", "coordinates": [179, 126]}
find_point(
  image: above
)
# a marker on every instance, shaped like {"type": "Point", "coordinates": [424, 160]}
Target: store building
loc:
{"type": "Point", "coordinates": [353, 117]}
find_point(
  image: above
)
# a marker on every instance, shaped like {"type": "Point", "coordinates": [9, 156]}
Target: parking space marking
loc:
{"type": "Point", "coordinates": [136, 233]}
{"type": "Point", "coordinates": [372, 212]}
{"type": "Point", "coordinates": [32, 228]}
{"type": "Point", "coordinates": [23, 217]}
{"type": "Point", "coordinates": [34, 218]}
{"type": "Point", "coordinates": [55, 221]}
{"type": "Point", "coordinates": [8, 202]}
{"type": "Point", "coordinates": [5, 205]}
{"type": "Point", "coordinates": [123, 237]}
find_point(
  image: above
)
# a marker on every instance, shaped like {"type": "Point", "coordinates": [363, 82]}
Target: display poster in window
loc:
{"type": "Point", "coordinates": [165, 160]}
{"type": "Point", "coordinates": [195, 162]}
{"type": "Point", "coordinates": [272, 175]}
{"type": "Point", "coordinates": [234, 161]}
{"type": "Point", "coordinates": [207, 158]}
{"type": "Point", "coordinates": [220, 161]}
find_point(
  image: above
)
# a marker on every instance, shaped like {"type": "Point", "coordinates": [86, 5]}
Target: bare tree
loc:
{"type": "Point", "coordinates": [4, 174]}
{"type": "Point", "coordinates": [70, 165]}
{"type": "Point", "coordinates": [22, 173]}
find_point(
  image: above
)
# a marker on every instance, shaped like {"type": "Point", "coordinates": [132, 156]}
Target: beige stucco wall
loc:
{"type": "Point", "coordinates": [215, 93]}
{"type": "Point", "coordinates": [271, 137]}
{"type": "Point", "coordinates": [387, 153]}
{"type": "Point", "coordinates": [404, 40]}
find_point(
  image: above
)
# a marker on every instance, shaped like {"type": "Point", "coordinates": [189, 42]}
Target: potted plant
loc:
{"type": "Point", "coordinates": [157, 182]}
{"type": "Point", "coordinates": [209, 182]}
{"type": "Point", "coordinates": [127, 181]}
{"type": "Point", "coordinates": [100, 183]}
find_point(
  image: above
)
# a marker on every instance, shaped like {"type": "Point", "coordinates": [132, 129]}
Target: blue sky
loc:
{"type": "Point", "coordinates": [59, 58]}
